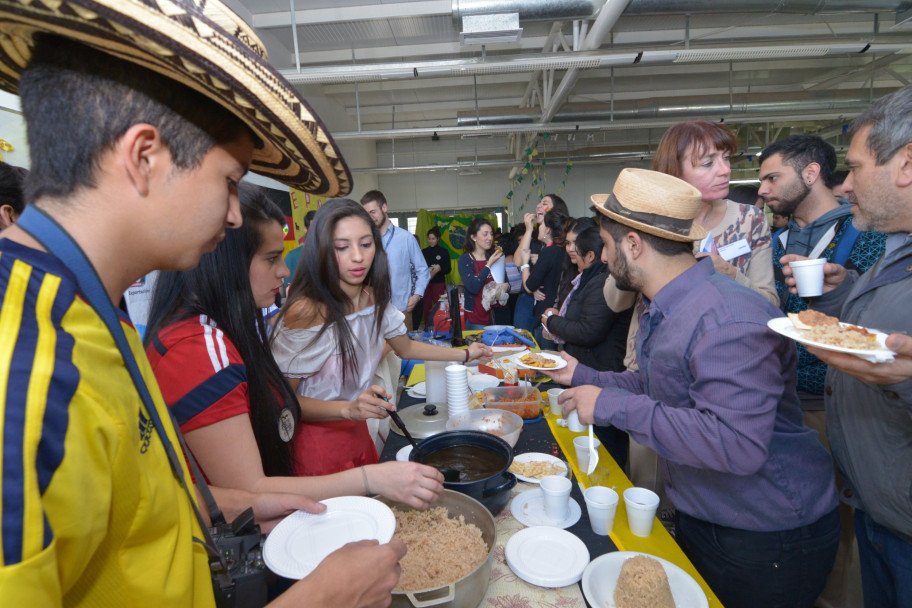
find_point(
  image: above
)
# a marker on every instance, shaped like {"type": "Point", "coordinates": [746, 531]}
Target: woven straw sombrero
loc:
{"type": "Point", "coordinates": [656, 203]}
{"type": "Point", "coordinates": [203, 45]}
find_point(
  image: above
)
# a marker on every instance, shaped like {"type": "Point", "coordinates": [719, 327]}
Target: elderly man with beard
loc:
{"type": "Point", "coordinates": [796, 179]}
{"type": "Point", "coordinates": [869, 414]}
{"type": "Point", "coordinates": [715, 397]}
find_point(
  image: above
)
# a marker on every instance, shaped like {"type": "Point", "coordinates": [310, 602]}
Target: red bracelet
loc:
{"type": "Point", "coordinates": [467, 355]}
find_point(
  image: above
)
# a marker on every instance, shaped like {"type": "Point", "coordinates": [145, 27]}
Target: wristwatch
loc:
{"type": "Point", "coordinates": [523, 267]}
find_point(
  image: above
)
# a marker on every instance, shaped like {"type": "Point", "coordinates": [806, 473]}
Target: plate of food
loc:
{"type": "Point", "coordinates": [532, 466]}
{"type": "Point", "coordinates": [645, 581]}
{"type": "Point", "coordinates": [813, 328]}
{"type": "Point", "coordinates": [541, 361]}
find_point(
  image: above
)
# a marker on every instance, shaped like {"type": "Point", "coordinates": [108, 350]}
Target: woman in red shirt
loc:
{"type": "Point", "coordinates": [475, 270]}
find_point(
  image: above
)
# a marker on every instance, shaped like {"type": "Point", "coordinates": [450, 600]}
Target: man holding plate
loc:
{"type": "Point", "coordinates": [715, 397]}
{"type": "Point", "coordinates": [868, 405]}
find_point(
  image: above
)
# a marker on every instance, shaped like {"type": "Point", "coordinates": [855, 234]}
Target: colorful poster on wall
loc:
{"type": "Point", "coordinates": [301, 203]}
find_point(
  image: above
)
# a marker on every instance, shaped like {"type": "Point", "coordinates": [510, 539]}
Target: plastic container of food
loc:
{"type": "Point", "coordinates": [521, 400]}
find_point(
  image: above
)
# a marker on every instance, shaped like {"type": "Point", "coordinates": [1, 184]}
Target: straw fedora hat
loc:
{"type": "Point", "coordinates": [656, 203]}
{"type": "Point", "coordinates": [203, 45]}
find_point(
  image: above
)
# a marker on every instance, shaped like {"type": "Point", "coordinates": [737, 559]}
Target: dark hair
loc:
{"type": "Point", "coordinates": [12, 180]}
{"type": "Point", "coordinates": [587, 238]}
{"type": "Point", "coordinates": [474, 226]}
{"type": "Point", "coordinates": [220, 288]}
{"type": "Point", "coordinates": [746, 194]}
{"type": "Point", "coordinates": [665, 247]}
{"type": "Point", "coordinates": [891, 127]}
{"type": "Point", "coordinates": [316, 278]}
{"type": "Point", "coordinates": [78, 102]}
{"type": "Point", "coordinates": [508, 242]}
{"type": "Point", "coordinates": [696, 135]}
{"type": "Point", "coordinates": [799, 151]}
{"type": "Point", "coordinates": [435, 231]}
{"type": "Point", "coordinates": [559, 223]}
{"type": "Point", "coordinates": [308, 218]}
{"type": "Point", "coordinates": [558, 204]}
{"type": "Point", "coordinates": [518, 231]}
{"type": "Point", "coordinates": [373, 196]}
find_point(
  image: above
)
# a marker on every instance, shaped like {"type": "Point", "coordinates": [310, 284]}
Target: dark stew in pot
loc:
{"type": "Point", "coordinates": [472, 462]}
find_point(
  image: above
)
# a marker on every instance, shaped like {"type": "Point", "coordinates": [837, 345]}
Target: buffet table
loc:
{"type": "Point", "coordinates": [505, 588]}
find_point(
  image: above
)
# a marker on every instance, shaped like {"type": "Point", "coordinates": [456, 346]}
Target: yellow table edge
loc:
{"type": "Point", "coordinates": [660, 543]}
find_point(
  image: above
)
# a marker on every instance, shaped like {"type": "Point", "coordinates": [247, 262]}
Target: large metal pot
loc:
{"type": "Point", "coordinates": [492, 491]}
{"type": "Point", "coordinates": [468, 591]}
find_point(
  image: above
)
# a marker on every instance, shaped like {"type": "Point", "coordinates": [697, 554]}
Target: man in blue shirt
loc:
{"type": "Point", "coordinates": [715, 397]}
{"type": "Point", "coordinates": [403, 253]}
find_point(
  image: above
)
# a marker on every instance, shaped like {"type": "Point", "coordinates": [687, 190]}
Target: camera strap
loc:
{"type": "Point", "coordinates": [44, 229]}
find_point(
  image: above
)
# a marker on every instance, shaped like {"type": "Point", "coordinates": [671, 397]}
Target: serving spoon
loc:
{"type": "Point", "coordinates": [450, 475]}
{"type": "Point", "coordinates": [593, 453]}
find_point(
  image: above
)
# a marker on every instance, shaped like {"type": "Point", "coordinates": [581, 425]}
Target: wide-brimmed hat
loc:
{"type": "Point", "coordinates": [205, 46]}
{"type": "Point", "coordinates": [656, 203]}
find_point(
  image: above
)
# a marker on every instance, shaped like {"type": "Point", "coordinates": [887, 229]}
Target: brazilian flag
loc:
{"type": "Point", "coordinates": [452, 233]}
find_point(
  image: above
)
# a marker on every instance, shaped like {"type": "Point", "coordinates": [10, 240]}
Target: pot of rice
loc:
{"type": "Point", "coordinates": [450, 552]}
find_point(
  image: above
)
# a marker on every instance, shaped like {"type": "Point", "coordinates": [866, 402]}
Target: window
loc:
{"type": "Point", "coordinates": [412, 223]}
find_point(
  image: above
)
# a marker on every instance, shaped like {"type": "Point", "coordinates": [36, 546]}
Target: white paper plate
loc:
{"type": "Point", "coordinates": [602, 573]}
{"type": "Point", "coordinates": [300, 542]}
{"type": "Point", "coordinates": [547, 557]}
{"type": "Point", "coordinates": [784, 326]}
{"type": "Point", "coordinates": [529, 509]}
{"type": "Point", "coordinates": [561, 363]}
{"type": "Point", "coordinates": [403, 454]}
{"type": "Point", "coordinates": [418, 390]}
{"type": "Point", "coordinates": [535, 457]}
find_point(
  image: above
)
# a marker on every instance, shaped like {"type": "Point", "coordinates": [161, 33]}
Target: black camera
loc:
{"type": "Point", "coordinates": [240, 547]}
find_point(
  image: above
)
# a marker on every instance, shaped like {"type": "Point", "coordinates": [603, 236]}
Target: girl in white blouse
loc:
{"type": "Point", "coordinates": [331, 335]}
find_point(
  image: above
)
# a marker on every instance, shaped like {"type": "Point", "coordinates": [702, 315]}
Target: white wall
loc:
{"type": "Point", "coordinates": [12, 129]}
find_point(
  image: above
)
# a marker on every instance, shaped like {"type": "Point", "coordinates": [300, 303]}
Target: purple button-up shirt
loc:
{"type": "Point", "coordinates": [715, 397]}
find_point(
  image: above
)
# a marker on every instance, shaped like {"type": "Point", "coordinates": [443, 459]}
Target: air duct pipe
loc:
{"type": "Point", "coordinates": [801, 7]}
{"type": "Point", "coordinates": [529, 10]}
{"type": "Point", "coordinates": [684, 108]}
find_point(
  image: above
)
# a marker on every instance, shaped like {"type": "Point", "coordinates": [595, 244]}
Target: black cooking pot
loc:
{"type": "Point", "coordinates": [490, 483]}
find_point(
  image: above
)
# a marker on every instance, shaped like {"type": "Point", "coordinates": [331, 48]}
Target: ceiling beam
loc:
{"type": "Point", "coordinates": [364, 12]}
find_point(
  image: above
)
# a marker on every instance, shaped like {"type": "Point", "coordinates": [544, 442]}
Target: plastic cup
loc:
{"type": "Point", "coordinates": [556, 492]}
{"type": "Point", "coordinates": [808, 277]}
{"type": "Point", "coordinates": [499, 270]}
{"type": "Point", "coordinates": [601, 504]}
{"type": "Point", "coordinates": [574, 424]}
{"type": "Point", "coordinates": [641, 510]}
{"type": "Point", "coordinates": [556, 408]}
{"type": "Point", "coordinates": [581, 445]}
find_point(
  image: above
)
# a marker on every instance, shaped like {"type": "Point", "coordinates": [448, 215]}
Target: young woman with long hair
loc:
{"type": "Point", "coordinates": [330, 336]}
{"type": "Point", "coordinates": [207, 345]}
{"type": "Point", "coordinates": [475, 270]}
{"type": "Point", "coordinates": [552, 262]}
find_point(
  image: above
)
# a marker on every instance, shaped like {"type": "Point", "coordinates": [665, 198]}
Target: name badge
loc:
{"type": "Point", "coordinates": [733, 250]}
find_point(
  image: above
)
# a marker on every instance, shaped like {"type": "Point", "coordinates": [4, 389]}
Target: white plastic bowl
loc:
{"type": "Point", "coordinates": [502, 423]}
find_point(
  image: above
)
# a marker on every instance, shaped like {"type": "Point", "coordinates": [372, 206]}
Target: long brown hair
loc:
{"type": "Point", "coordinates": [316, 278]}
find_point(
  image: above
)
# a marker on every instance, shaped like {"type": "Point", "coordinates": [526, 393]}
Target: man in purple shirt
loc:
{"type": "Point", "coordinates": [715, 396]}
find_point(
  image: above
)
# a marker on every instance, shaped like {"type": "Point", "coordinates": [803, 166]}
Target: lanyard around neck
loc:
{"type": "Point", "coordinates": [54, 238]}
{"type": "Point", "coordinates": [389, 239]}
